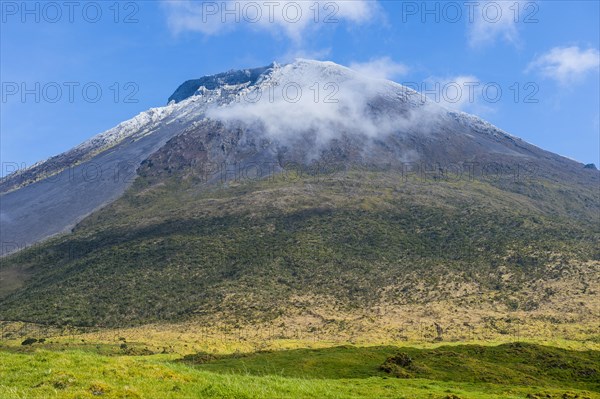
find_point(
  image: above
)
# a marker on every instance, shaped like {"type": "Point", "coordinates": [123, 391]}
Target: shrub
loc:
{"type": "Point", "coordinates": [395, 365]}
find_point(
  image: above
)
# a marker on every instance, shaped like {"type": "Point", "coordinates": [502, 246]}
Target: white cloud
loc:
{"type": "Point", "coordinates": [380, 68]}
{"type": "Point", "coordinates": [566, 64]}
{"type": "Point", "coordinates": [291, 18]}
{"type": "Point", "coordinates": [491, 20]}
{"type": "Point", "coordinates": [341, 105]}
{"type": "Point", "coordinates": [460, 93]}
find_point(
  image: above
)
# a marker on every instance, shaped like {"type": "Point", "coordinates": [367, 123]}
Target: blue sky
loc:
{"type": "Point", "coordinates": [542, 55]}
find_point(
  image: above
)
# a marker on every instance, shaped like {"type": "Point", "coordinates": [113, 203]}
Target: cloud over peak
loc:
{"type": "Point", "coordinates": [380, 68]}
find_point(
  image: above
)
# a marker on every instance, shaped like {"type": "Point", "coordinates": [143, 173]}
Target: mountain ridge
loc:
{"type": "Point", "coordinates": [186, 91]}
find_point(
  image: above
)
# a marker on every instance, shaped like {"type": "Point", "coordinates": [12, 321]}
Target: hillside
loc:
{"type": "Point", "coordinates": [243, 220]}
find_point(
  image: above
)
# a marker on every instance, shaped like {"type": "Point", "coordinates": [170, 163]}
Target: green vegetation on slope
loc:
{"type": "Point", "coordinates": [177, 250]}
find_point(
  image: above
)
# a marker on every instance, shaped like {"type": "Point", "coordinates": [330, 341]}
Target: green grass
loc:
{"type": "Point", "coordinates": [518, 370]}
{"type": "Point", "coordinates": [515, 363]}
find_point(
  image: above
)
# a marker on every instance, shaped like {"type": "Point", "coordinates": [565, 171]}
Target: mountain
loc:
{"type": "Point", "coordinates": [300, 192]}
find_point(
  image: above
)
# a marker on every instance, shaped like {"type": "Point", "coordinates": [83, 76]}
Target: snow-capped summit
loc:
{"type": "Point", "coordinates": [305, 110]}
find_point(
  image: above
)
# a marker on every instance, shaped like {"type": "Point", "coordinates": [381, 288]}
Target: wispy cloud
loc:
{"type": "Point", "coordinates": [380, 68]}
{"type": "Point", "coordinates": [566, 65]}
{"type": "Point", "coordinates": [493, 20]}
{"type": "Point", "coordinates": [328, 110]}
{"type": "Point", "coordinates": [290, 18]}
{"type": "Point", "coordinates": [460, 93]}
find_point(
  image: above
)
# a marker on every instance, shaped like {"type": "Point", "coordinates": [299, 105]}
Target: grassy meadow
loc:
{"type": "Point", "coordinates": [174, 363]}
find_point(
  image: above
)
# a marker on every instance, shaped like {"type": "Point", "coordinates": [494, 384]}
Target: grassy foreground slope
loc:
{"type": "Point", "coordinates": [515, 363]}
{"type": "Point", "coordinates": [465, 372]}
